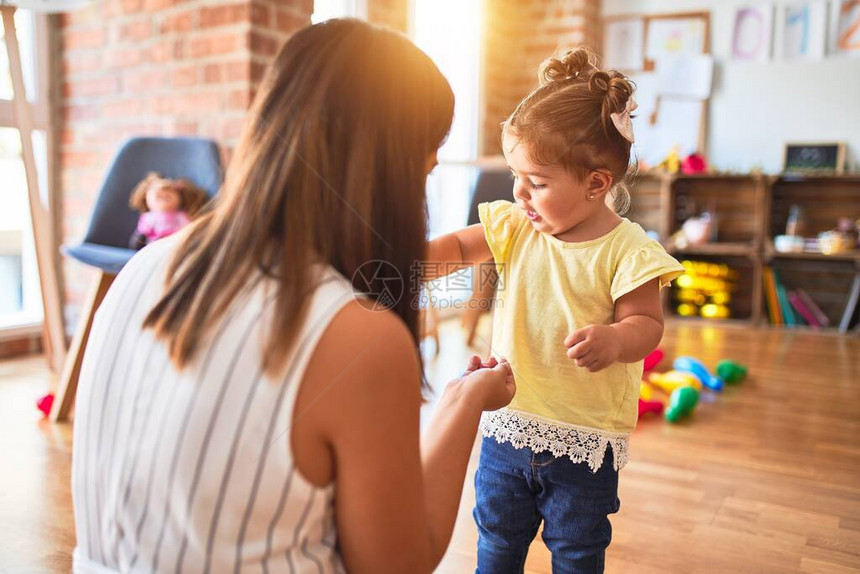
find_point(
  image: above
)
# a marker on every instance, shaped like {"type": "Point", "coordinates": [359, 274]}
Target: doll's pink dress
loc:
{"type": "Point", "coordinates": [155, 225]}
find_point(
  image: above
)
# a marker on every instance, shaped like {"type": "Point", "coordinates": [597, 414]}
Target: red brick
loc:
{"type": "Point", "coordinates": [181, 22]}
{"type": "Point", "coordinates": [185, 76]}
{"type": "Point", "coordinates": [139, 81]}
{"type": "Point", "coordinates": [261, 16]}
{"type": "Point", "coordinates": [185, 104]}
{"type": "Point", "coordinates": [91, 88]}
{"type": "Point", "coordinates": [263, 44]}
{"type": "Point", "coordinates": [239, 99]}
{"type": "Point", "coordinates": [290, 21]}
{"type": "Point", "coordinates": [124, 58]}
{"type": "Point", "coordinates": [216, 45]}
{"type": "Point", "coordinates": [121, 109]}
{"type": "Point", "coordinates": [179, 128]}
{"type": "Point", "coordinates": [166, 51]}
{"type": "Point", "coordinates": [81, 39]}
{"type": "Point", "coordinates": [239, 71]}
{"type": "Point", "coordinates": [135, 31]}
{"type": "Point", "coordinates": [225, 15]}
{"type": "Point", "coordinates": [80, 158]}
{"type": "Point", "coordinates": [129, 6]}
{"type": "Point", "coordinates": [81, 63]}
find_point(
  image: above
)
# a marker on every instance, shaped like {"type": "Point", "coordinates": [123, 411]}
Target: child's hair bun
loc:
{"type": "Point", "coordinates": [578, 63]}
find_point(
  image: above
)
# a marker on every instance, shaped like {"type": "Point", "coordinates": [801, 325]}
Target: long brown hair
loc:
{"type": "Point", "coordinates": [567, 119]}
{"type": "Point", "coordinates": [331, 168]}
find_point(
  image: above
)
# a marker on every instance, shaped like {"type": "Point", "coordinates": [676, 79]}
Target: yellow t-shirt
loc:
{"type": "Point", "coordinates": [549, 288]}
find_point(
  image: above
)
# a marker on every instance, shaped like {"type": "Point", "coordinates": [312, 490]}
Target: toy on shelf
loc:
{"type": "Point", "coordinates": [681, 403]}
{"type": "Point", "coordinates": [672, 163]}
{"type": "Point", "coordinates": [705, 290]}
{"type": "Point", "coordinates": [730, 371]}
{"type": "Point", "coordinates": [668, 382]}
{"type": "Point", "coordinates": [694, 366]}
{"type": "Point", "coordinates": [694, 164]}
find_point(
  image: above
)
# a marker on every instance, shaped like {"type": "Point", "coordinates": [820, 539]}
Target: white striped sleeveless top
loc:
{"type": "Point", "coordinates": [192, 471]}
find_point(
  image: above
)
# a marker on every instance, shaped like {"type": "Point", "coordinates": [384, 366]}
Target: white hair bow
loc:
{"type": "Point", "coordinates": [622, 120]}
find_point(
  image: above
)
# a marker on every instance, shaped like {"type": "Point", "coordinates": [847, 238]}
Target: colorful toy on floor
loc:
{"type": "Point", "coordinates": [652, 360]}
{"type": "Point", "coordinates": [730, 371]}
{"type": "Point", "coordinates": [668, 382]}
{"type": "Point", "coordinates": [694, 366]}
{"type": "Point", "coordinates": [45, 403]}
{"type": "Point", "coordinates": [681, 403]}
{"type": "Point", "coordinates": [646, 407]}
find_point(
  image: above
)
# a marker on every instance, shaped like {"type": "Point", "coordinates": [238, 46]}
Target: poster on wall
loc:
{"type": "Point", "coordinates": [625, 40]}
{"type": "Point", "coordinates": [802, 30]}
{"type": "Point", "coordinates": [752, 33]}
{"type": "Point", "coordinates": [845, 28]}
{"type": "Point", "coordinates": [686, 76]}
{"type": "Point", "coordinates": [676, 36]}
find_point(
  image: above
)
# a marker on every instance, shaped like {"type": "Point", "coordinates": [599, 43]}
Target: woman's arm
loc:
{"type": "Point", "coordinates": [394, 512]}
{"type": "Point", "coordinates": [455, 251]}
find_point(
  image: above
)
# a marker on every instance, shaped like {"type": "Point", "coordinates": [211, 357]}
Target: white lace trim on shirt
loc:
{"type": "Point", "coordinates": [581, 444]}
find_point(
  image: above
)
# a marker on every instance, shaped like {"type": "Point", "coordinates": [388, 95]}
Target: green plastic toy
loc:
{"type": "Point", "coordinates": [731, 371]}
{"type": "Point", "coordinates": [682, 401]}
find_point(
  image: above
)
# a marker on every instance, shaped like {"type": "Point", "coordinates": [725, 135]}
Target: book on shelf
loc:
{"type": "Point", "coordinates": [803, 310]}
{"type": "Point", "coordinates": [773, 309]}
{"type": "Point", "coordinates": [815, 309]}
{"type": "Point", "coordinates": [782, 296]}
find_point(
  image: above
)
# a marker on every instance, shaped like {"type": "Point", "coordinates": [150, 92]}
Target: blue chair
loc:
{"type": "Point", "coordinates": [105, 245]}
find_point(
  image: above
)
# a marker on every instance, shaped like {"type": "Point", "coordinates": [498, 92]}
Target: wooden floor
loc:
{"type": "Point", "coordinates": [764, 478]}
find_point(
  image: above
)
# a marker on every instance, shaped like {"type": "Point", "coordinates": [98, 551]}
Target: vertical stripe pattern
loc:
{"type": "Point", "coordinates": [191, 471]}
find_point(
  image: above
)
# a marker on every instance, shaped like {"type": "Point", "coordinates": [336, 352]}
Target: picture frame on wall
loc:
{"type": "Point", "coordinates": [674, 35]}
{"type": "Point", "coordinates": [752, 33]}
{"type": "Point", "coordinates": [815, 158]}
{"type": "Point", "coordinates": [845, 28]}
{"type": "Point", "coordinates": [801, 31]}
{"type": "Point", "coordinates": [624, 42]}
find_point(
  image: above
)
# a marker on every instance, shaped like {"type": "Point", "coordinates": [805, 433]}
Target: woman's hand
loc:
{"type": "Point", "coordinates": [594, 347]}
{"type": "Point", "coordinates": [492, 383]}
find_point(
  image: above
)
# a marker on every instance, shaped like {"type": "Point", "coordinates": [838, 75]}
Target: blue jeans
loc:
{"type": "Point", "coordinates": [516, 489]}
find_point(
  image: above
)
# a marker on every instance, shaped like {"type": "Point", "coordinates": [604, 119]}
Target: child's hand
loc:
{"type": "Point", "coordinates": [594, 347]}
{"type": "Point", "coordinates": [493, 382]}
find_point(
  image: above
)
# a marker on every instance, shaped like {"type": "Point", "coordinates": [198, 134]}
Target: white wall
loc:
{"type": "Point", "coordinates": [756, 108]}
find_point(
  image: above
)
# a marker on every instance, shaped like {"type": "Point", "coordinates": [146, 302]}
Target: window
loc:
{"type": "Point", "coordinates": [449, 31]}
{"type": "Point", "coordinates": [20, 294]}
{"type": "Point", "coordinates": [328, 9]}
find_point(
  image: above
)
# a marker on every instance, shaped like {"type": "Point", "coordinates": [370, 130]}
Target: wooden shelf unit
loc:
{"type": "Point", "coordinates": [751, 210]}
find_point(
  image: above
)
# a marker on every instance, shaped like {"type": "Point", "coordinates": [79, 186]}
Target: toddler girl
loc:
{"type": "Point", "coordinates": [578, 309]}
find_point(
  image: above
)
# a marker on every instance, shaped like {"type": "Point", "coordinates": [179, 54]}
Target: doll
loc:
{"type": "Point", "coordinates": [165, 206]}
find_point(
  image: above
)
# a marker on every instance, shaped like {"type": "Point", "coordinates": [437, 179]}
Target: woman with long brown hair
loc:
{"type": "Point", "coordinates": [239, 406]}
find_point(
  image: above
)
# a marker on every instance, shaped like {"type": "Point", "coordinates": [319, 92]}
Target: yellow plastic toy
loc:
{"type": "Point", "coordinates": [672, 380]}
{"type": "Point", "coordinates": [646, 393]}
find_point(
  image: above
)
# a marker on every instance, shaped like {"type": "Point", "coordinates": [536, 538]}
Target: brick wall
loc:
{"type": "Point", "coordinates": [520, 34]}
{"type": "Point", "coordinates": [166, 68]}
